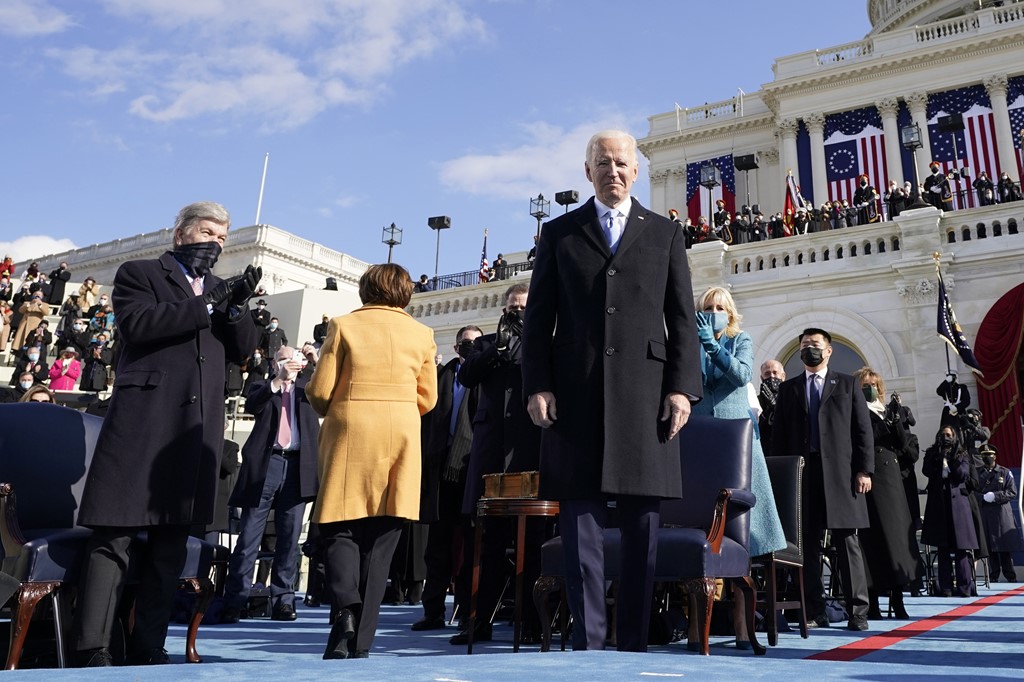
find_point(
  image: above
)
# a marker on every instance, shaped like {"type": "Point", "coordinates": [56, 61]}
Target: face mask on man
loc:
{"type": "Point", "coordinates": [33, 357]}
{"type": "Point", "coordinates": [990, 461]}
{"type": "Point", "coordinates": [273, 326]}
{"type": "Point", "coordinates": [25, 385]}
{"type": "Point", "coordinates": [772, 383]}
{"type": "Point", "coordinates": [199, 258]}
{"type": "Point", "coordinates": [811, 356]}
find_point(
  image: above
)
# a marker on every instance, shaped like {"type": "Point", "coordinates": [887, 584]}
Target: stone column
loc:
{"type": "Point", "coordinates": [659, 191]}
{"type": "Point", "coordinates": [888, 108]}
{"type": "Point", "coordinates": [788, 156]}
{"type": "Point", "coordinates": [769, 179]}
{"type": "Point", "coordinates": [677, 198]}
{"type": "Point", "coordinates": [819, 178]}
{"type": "Point", "coordinates": [917, 102]}
{"type": "Point", "coordinates": [996, 86]}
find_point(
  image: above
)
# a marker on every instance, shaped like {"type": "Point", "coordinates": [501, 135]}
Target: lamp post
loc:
{"type": "Point", "coordinates": [710, 177]}
{"type": "Point", "coordinates": [392, 236]}
{"type": "Point", "coordinates": [539, 209]}
{"type": "Point", "coordinates": [438, 223]}
{"type": "Point", "coordinates": [910, 136]}
{"type": "Point", "coordinates": [567, 198]}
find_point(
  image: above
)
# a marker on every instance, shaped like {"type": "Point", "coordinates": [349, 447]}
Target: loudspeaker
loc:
{"type": "Point", "coordinates": [746, 162]}
{"type": "Point", "coordinates": [332, 284]}
{"type": "Point", "coordinates": [756, 208]}
{"type": "Point", "coordinates": [951, 123]}
{"type": "Point", "coordinates": [441, 222]}
{"type": "Point", "coordinates": [569, 196]}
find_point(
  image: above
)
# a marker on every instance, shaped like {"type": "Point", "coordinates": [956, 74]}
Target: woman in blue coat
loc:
{"type": "Point", "coordinates": [727, 366]}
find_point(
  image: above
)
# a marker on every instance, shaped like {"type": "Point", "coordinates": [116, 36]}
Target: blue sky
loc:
{"type": "Point", "coordinates": [118, 112]}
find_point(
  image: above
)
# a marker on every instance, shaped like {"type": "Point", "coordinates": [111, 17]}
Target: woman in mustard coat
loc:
{"type": "Point", "coordinates": [375, 378]}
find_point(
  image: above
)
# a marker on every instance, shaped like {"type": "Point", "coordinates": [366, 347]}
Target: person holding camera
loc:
{"type": "Point", "coordinates": [504, 440]}
{"type": "Point", "coordinates": [157, 457]}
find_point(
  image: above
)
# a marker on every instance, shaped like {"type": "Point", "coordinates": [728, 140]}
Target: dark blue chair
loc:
{"type": "Point", "coordinates": [705, 534]}
{"type": "Point", "coordinates": [45, 452]}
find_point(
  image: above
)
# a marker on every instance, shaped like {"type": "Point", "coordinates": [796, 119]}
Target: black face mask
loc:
{"type": "Point", "coordinates": [199, 258]}
{"type": "Point", "coordinates": [811, 357]}
{"type": "Point", "coordinates": [773, 384]}
{"type": "Point", "coordinates": [947, 441]}
{"type": "Point", "coordinates": [464, 349]}
{"type": "Point", "coordinates": [990, 461]}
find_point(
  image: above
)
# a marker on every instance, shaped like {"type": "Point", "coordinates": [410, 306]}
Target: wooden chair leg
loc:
{"type": "Point", "coordinates": [702, 602]}
{"type": "Point", "coordinates": [542, 589]}
{"type": "Point", "coordinates": [770, 616]}
{"type": "Point", "coordinates": [803, 603]}
{"type": "Point", "coordinates": [28, 597]}
{"type": "Point", "coordinates": [746, 584]}
{"type": "Point", "coordinates": [203, 589]}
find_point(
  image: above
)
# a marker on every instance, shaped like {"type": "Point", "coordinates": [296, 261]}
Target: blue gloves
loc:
{"type": "Point", "coordinates": [705, 332]}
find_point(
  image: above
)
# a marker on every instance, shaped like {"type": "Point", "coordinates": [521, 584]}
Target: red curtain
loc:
{"type": "Point", "coordinates": [999, 396]}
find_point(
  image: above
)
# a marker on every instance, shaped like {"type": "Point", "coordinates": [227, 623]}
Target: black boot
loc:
{"type": "Point", "coordinates": [896, 604]}
{"type": "Point", "coordinates": [874, 613]}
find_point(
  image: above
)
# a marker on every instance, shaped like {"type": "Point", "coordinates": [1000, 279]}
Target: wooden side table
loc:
{"type": "Point", "coordinates": [521, 508]}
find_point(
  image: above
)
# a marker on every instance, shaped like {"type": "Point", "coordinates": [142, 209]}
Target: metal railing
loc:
{"type": "Point", "coordinates": [471, 277]}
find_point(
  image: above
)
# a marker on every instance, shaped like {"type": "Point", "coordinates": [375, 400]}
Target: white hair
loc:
{"type": "Point", "coordinates": [610, 134]}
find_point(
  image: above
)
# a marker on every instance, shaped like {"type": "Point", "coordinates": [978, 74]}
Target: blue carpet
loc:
{"type": "Point", "coordinates": [986, 644]}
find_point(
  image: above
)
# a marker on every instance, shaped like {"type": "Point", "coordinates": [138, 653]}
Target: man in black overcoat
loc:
{"type": "Point", "coordinates": [937, 191]}
{"type": "Point", "coordinates": [279, 473]}
{"type": "Point", "coordinates": [838, 448]}
{"type": "Point", "coordinates": [58, 283]}
{"type": "Point", "coordinates": [157, 457]}
{"type": "Point", "coordinates": [447, 440]}
{"type": "Point", "coordinates": [610, 368]}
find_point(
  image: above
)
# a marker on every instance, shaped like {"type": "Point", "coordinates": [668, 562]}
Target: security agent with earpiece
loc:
{"type": "Point", "coordinates": [157, 457]}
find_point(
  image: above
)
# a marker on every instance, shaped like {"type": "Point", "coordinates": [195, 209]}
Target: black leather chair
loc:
{"type": "Point", "coordinates": [786, 474]}
{"type": "Point", "coordinates": [45, 452]}
{"type": "Point", "coordinates": [705, 533]}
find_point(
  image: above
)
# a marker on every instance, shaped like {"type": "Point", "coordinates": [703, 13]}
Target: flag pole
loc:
{"type": "Point", "coordinates": [263, 181]}
{"type": "Point", "coordinates": [937, 257]}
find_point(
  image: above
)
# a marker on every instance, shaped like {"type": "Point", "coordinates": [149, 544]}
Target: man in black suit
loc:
{"type": "Point", "coordinates": [260, 315]}
{"type": "Point", "coordinates": [58, 282]}
{"type": "Point", "coordinates": [504, 440]}
{"type": "Point", "coordinates": [822, 415]}
{"type": "Point", "coordinates": [611, 366]}
{"type": "Point", "coordinates": [157, 457]}
{"type": "Point", "coordinates": [320, 331]}
{"type": "Point", "coordinates": [279, 472]}
{"type": "Point", "coordinates": [448, 437]}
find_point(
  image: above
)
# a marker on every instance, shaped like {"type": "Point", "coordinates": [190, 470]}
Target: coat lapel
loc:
{"type": "Point", "coordinates": [635, 226]}
{"type": "Point", "coordinates": [590, 226]}
{"type": "Point", "coordinates": [829, 386]}
{"type": "Point", "coordinates": [175, 273]}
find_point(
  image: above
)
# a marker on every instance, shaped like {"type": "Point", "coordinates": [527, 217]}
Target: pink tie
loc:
{"type": "Point", "coordinates": [197, 286]}
{"type": "Point", "coordinates": [284, 429]}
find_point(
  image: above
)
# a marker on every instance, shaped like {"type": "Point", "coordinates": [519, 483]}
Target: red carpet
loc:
{"type": "Point", "coordinates": [854, 650]}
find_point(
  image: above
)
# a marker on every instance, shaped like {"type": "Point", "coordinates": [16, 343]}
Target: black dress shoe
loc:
{"type": "Point", "coordinates": [344, 629]}
{"type": "Point", "coordinates": [818, 622]}
{"type": "Point", "coordinates": [481, 633]}
{"type": "Point", "coordinates": [229, 616]}
{"type": "Point", "coordinates": [858, 623]}
{"type": "Point", "coordinates": [149, 657]}
{"type": "Point", "coordinates": [284, 611]}
{"type": "Point", "coordinates": [414, 595]}
{"type": "Point", "coordinates": [311, 601]}
{"type": "Point", "coordinates": [429, 624]}
{"type": "Point", "coordinates": [93, 658]}
{"type": "Point", "coordinates": [361, 653]}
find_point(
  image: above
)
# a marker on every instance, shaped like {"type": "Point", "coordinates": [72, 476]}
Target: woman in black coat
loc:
{"type": "Point", "coordinates": [890, 545]}
{"type": "Point", "coordinates": [948, 522]}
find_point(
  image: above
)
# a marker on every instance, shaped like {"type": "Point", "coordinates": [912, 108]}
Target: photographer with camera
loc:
{"type": "Point", "coordinates": [504, 440]}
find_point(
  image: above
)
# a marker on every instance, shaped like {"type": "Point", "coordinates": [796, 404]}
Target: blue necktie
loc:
{"type": "Point", "coordinates": [611, 230]}
{"type": "Point", "coordinates": [813, 403]}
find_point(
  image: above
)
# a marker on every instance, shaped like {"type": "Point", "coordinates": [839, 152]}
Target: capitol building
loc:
{"type": "Point", "coordinates": [955, 68]}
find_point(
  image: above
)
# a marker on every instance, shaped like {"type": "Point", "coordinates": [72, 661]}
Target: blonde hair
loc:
{"type": "Point", "coordinates": [865, 373]}
{"type": "Point", "coordinates": [722, 296]}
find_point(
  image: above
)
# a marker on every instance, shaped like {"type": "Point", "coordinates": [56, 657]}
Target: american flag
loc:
{"type": "Point", "coordinates": [854, 145]}
{"type": "Point", "coordinates": [697, 197]}
{"type": "Point", "coordinates": [484, 265]}
{"type": "Point", "coordinates": [1017, 128]}
{"type": "Point", "coordinates": [975, 144]}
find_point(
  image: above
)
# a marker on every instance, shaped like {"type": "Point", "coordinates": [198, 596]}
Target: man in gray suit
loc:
{"type": "Point", "coordinates": [610, 368]}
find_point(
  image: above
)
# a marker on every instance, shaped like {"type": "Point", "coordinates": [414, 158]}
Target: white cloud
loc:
{"type": "Point", "coordinates": [253, 57]}
{"type": "Point", "coordinates": [31, 18]}
{"type": "Point", "coordinates": [33, 246]}
{"type": "Point", "coordinates": [549, 157]}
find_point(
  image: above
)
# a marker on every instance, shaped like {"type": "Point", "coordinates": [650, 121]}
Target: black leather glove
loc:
{"type": "Point", "coordinates": [218, 294]}
{"type": "Point", "coordinates": [244, 286]}
{"type": "Point", "coordinates": [509, 327]}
